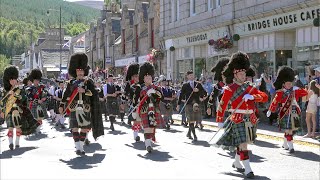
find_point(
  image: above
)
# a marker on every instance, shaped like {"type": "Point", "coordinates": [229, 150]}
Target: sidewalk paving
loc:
{"type": "Point", "coordinates": [263, 129]}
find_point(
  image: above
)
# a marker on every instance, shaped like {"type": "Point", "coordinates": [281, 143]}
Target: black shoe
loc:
{"type": "Point", "coordinates": [17, 146]}
{"type": "Point", "coordinates": [83, 153]}
{"type": "Point", "coordinates": [201, 127]}
{"type": "Point", "coordinates": [291, 151]}
{"type": "Point", "coordinates": [167, 126]}
{"type": "Point", "coordinates": [190, 137]}
{"type": "Point", "coordinates": [285, 148]}
{"type": "Point", "coordinates": [112, 128]}
{"type": "Point", "coordinates": [250, 175]}
{"type": "Point", "coordinates": [11, 146]}
{"type": "Point", "coordinates": [195, 139]}
{"type": "Point", "coordinates": [137, 138]}
{"type": "Point", "coordinates": [149, 149]}
{"type": "Point", "coordinates": [196, 126]}
{"type": "Point", "coordinates": [78, 152]}
{"type": "Point", "coordinates": [172, 121]}
{"type": "Point", "coordinates": [238, 169]}
{"type": "Point", "coordinates": [86, 142]}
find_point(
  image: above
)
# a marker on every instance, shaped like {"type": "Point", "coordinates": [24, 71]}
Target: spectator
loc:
{"type": "Point", "coordinates": [317, 79]}
{"type": "Point", "coordinates": [313, 94]}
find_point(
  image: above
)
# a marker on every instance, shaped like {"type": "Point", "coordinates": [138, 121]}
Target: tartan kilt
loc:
{"type": "Point", "coordinates": [34, 111]}
{"type": "Point", "coordinates": [112, 107]}
{"type": "Point", "coordinates": [103, 107]}
{"type": "Point", "coordinates": [74, 122]}
{"type": "Point", "coordinates": [235, 134]}
{"type": "Point", "coordinates": [51, 103]}
{"type": "Point", "coordinates": [10, 122]}
{"type": "Point", "coordinates": [158, 118]}
{"type": "Point", "coordinates": [164, 111]}
{"type": "Point", "coordinates": [191, 115]}
{"type": "Point", "coordinates": [286, 123]}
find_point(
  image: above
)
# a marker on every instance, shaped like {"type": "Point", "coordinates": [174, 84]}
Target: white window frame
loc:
{"type": "Point", "coordinates": [177, 17]}
{"type": "Point", "coordinates": [192, 7]}
{"type": "Point", "coordinates": [214, 4]}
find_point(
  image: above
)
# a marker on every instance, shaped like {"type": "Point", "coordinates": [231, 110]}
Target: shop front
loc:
{"type": "Point", "coordinates": [121, 64]}
{"type": "Point", "coordinates": [287, 39]}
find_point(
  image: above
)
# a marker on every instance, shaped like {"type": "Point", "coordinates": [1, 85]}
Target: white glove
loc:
{"type": "Point", "coordinates": [151, 91]}
{"type": "Point", "coordinates": [134, 115]}
{"type": "Point", "coordinates": [248, 97]}
{"type": "Point", "coordinates": [295, 88]}
{"type": "Point", "coordinates": [268, 113]}
{"type": "Point", "coordinates": [220, 125]}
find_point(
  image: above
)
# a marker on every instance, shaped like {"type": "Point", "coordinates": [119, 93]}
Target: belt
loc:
{"type": "Point", "coordinates": [242, 111]}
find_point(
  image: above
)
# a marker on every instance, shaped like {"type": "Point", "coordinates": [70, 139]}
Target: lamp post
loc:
{"type": "Point", "coordinates": [60, 34]}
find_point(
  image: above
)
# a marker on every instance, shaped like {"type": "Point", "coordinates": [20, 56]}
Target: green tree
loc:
{"type": "Point", "coordinates": [4, 62]}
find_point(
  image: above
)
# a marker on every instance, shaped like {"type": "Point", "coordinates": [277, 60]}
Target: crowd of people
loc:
{"type": "Point", "coordinates": [148, 103]}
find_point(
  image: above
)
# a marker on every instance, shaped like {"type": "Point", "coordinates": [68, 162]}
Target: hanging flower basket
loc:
{"type": "Point", "coordinates": [222, 43]}
{"type": "Point", "coordinates": [157, 54]}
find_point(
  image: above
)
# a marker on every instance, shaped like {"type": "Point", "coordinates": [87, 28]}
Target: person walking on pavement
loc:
{"type": "Point", "coordinates": [240, 129]}
{"type": "Point", "coordinates": [149, 105]}
{"type": "Point", "coordinates": [166, 104]}
{"type": "Point", "coordinates": [289, 112]}
{"type": "Point", "coordinates": [81, 101]}
{"type": "Point", "coordinates": [59, 118]}
{"type": "Point", "coordinates": [37, 95]}
{"type": "Point", "coordinates": [132, 92]}
{"type": "Point", "coordinates": [191, 95]}
{"type": "Point", "coordinates": [14, 108]}
{"type": "Point", "coordinates": [111, 94]}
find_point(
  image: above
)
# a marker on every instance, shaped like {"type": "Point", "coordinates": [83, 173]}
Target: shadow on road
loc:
{"type": "Point", "coordinates": [309, 156]}
{"type": "Point", "coordinates": [207, 130]}
{"type": "Point", "coordinates": [117, 132]}
{"type": "Point", "coordinates": [172, 130]}
{"type": "Point", "coordinates": [199, 143]}
{"type": "Point", "coordinates": [156, 155]}
{"type": "Point", "coordinates": [253, 157]}
{"type": "Point", "coordinates": [243, 176]}
{"type": "Point", "coordinates": [93, 147]}
{"type": "Point", "coordinates": [265, 144]}
{"type": "Point", "coordinates": [137, 145]}
{"type": "Point", "coordinates": [84, 162]}
{"type": "Point", "coordinates": [16, 152]}
{"type": "Point", "coordinates": [36, 137]}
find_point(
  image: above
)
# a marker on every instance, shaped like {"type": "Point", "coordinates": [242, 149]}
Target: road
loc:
{"type": "Point", "coordinates": [116, 156]}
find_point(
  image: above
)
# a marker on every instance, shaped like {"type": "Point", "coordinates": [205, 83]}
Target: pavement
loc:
{"type": "Point", "coordinates": [263, 129]}
{"type": "Point", "coordinates": [116, 155]}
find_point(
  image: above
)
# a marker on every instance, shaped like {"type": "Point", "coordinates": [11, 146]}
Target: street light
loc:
{"type": "Point", "coordinates": [60, 36]}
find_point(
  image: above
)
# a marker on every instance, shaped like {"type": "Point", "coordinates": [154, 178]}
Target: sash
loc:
{"type": "Point", "coordinates": [239, 92]}
{"type": "Point", "coordinates": [286, 107]}
{"type": "Point", "coordinates": [73, 95]}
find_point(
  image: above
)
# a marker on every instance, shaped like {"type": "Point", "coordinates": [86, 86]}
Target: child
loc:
{"type": "Point", "coordinates": [313, 94]}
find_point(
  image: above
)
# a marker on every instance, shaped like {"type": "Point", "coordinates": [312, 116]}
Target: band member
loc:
{"type": "Point", "coordinates": [240, 129]}
{"type": "Point", "coordinates": [289, 111]}
{"type": "Point", "coordinates": [14, 108]}
{"type": "Point", "coordinates": [132, 92]}
{"type": "Point", "coordinates": [37, 95]}
{"type": "Point", "coordinates": [216, 94]}
{"type": "Point", "coordinates": [149, 105]}
{"type": "Point", "coordinates": [192, 94]}
{"type": "Point", "coordinates": [166, 105]}
{"type": "Point", "coordinates": [111, 92]}
{"type": "Point", "coordinates": [58, 94]}
{"type": "Point", "coordinates": [52, 102]}
{"type": "Point", "coordinates": [81, 101]}
{"type": "Point", "coordinates": [122, 100]}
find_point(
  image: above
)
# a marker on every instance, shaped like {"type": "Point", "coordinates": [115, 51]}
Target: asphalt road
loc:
{"type": "Point", "coordinates": [51, 155]}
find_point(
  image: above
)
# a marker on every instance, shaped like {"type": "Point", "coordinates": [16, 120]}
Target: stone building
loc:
{"type": "Point", "coordinates": [273, 32]}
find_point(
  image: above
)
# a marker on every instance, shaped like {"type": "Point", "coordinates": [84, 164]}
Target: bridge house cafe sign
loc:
{"type": "Point", "coordinates": [279, 22]}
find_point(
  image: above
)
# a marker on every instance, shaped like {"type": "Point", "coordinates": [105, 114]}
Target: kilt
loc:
{"type": "Point", "coordinates": [191, 115]}
{"type": "Point", "coordinates": [158, 118]}
{"type": "Point", "coordinates": [34, 111]}
{"type": "Point", "coordinates": [286, 122]}
{"type": "Point", "coordinates": [164, 111]}
{"type": "Point", "coordinates": [122, 105]}
{"type": "Point", "coordinates": [112, 106]}
{"type": "Point", "coordinates": [51, 103]}
{"type": "Point", "coordinates": [74, 123]}
{"type": "Point", "coordinates": [235, 134]}
{"type": "Point", "coordinates": [103, 107]}
{"type": "Point", "coordinates": [9, 121]}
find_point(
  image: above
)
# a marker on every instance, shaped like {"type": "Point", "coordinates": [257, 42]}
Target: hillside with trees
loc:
{"type": "Point", "coordinates": [21, 18]}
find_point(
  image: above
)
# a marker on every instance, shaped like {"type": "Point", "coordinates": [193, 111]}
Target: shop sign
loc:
{"type": "Point", "coordinates": [279, 22]}
{"type": "Point", "coordinates": [124, 62]}
{"type": "Point", "coordinates": [142, 59]}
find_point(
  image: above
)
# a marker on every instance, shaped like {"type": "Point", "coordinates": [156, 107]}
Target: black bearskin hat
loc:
{"type": "Point", "coordinates": [11, 72]}
{"type": "Point", "coordinates": [146, 69]}
{"type": "Point", "coordinates": [251, 72]}
{"type": "Point", "coordinates": [78, 61]}
{"type": "Point", "coordinates": [285, 74]}
{"type": "Point", "coordinates": [35, 74]}
{"type": "Point", "coordinates": [218, 68]}
{"type": "Point", "coordinates": [132, 70]}
{"type": "Point", "coordinates": [239, 61]}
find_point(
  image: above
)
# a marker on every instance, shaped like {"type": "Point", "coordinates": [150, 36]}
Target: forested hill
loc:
{"type": "Point", "coordinates": [33, 11]}
{"type": "Point", "coordinates": [18, 18]}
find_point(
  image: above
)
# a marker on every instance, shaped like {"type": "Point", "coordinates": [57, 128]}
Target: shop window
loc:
{"type": "Point", "coordinates": [192, 7]}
